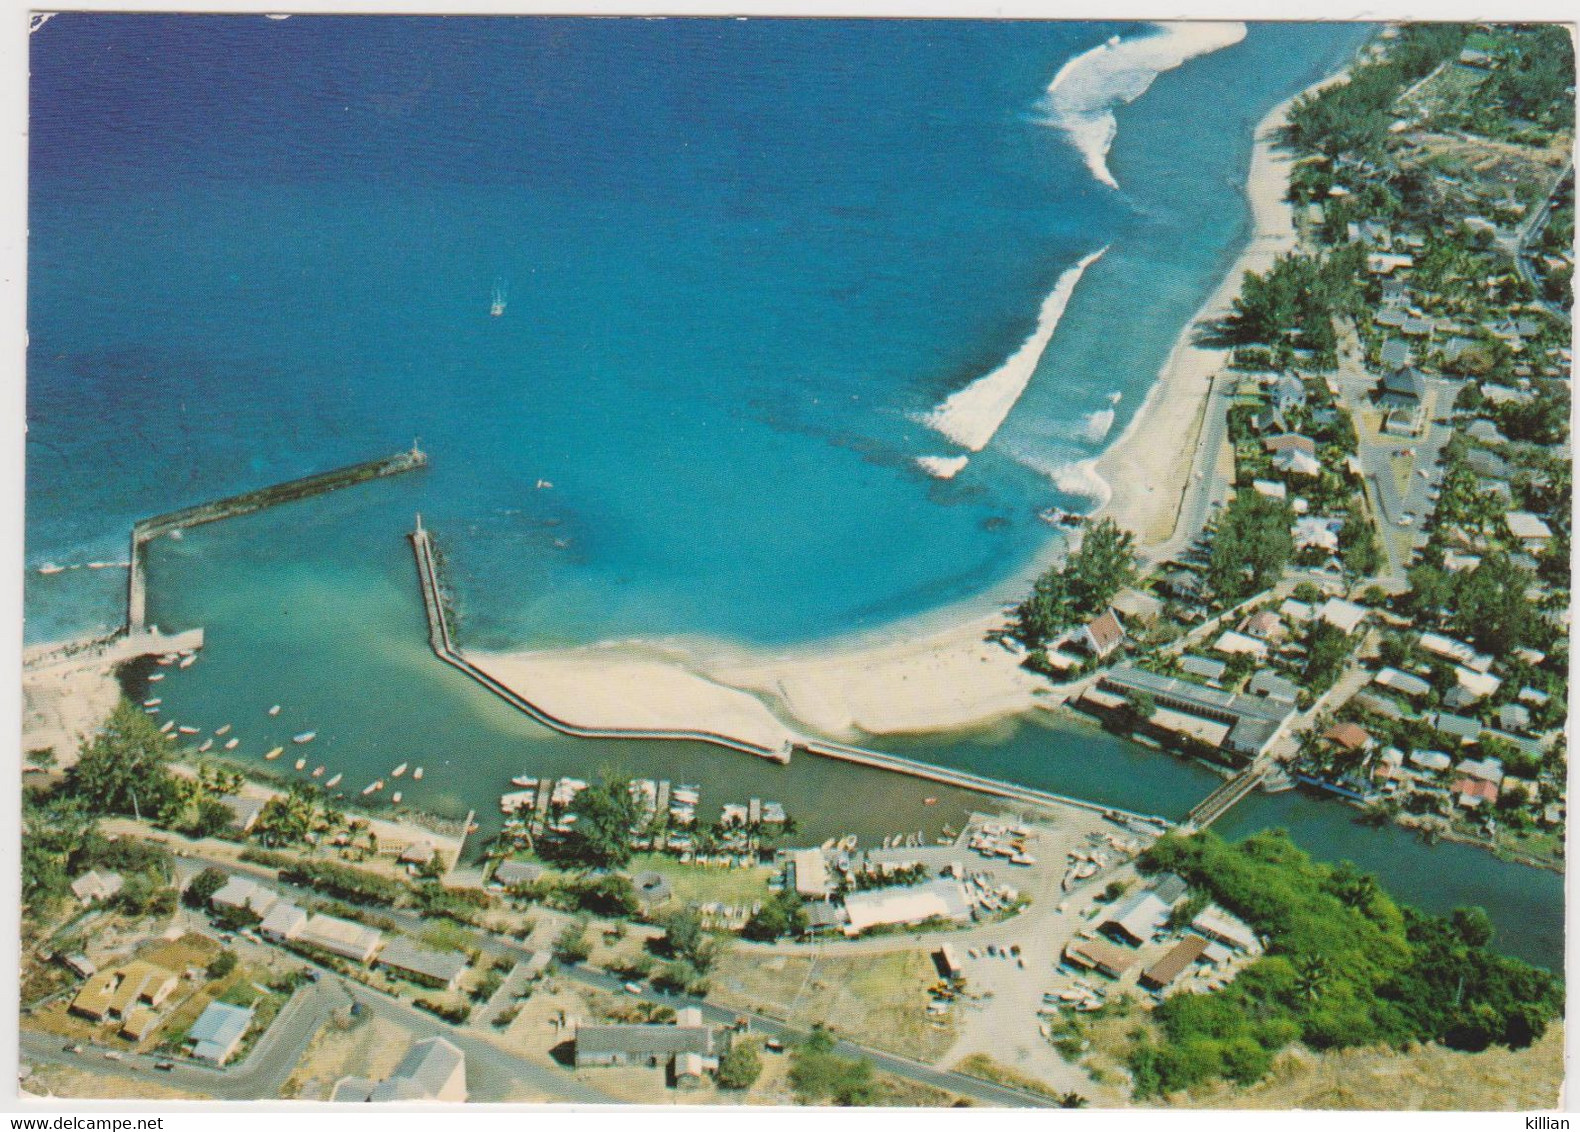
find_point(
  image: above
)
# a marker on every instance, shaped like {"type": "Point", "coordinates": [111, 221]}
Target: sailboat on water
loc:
{"type": "Point", "coordinates": [501, 294]}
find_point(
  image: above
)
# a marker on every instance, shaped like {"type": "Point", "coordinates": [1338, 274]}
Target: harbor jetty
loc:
{"type": "Point", "coordinates": [442, 641]}
{"type": "Point", "coordinates": [147, 530]}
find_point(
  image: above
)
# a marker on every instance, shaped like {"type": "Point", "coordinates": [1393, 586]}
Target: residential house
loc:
{"type": "Point", "coordinates": [1471, 793]}
{"type": "Point", "coordinates": [1460, 727]}
{"type": "Point", "coordinates": [1411, 687]}
{"type": "Point", "coordinates": [1218, 925]}
{"type": "Point", "coordinates": [1395, 354]}
{"type": "Point", "coordinates": [1349, 737]}
{"type": "Point", "coordinates": [1264, 625]}
{"type": "Point", "coordinates": [1271, 686]}
{"type": "Point", "coordinates": [1514, 717]}
{"type": "Point", "coordinates": [95, 885]}
{"type": "Point", "coordinates": [1402, 389]}
{"type": "Point", "coordinates": [1102, 635]}
{"type": "Point", "coordinates": [1532, 533]}
{"type": "Point", "coordinates": [218, 1032]}
{"type": "Point", "coordinates": [432, 1070]}
{"type": "Point", "coordinates": [1231, 643]}
{"type": "Point", "coordinates": [1270, 488]}
{"type": "Point", "coordinates": [340, 937]}
{"type": "Point", "coordinates": [1321, 533]}
{"type": "Point", "coordinates": [1203, 668]}
{"type": "Point", "coordinates": [1290, 442]}
{"type": "Point", "coordinates": [1288, 392]}
{"type": "Point", "coordinates": [111, 994]}
{"type": "Point", "coordinates": [809, 873]}
{"type": "Point", "coordinates": [1296, 463]}
{"type": "Point", "coordinates": [284, 923]}
{"type": "Point", "coordinates": [1344, 615]}
{"type": "Point", "coordinates": [648, 1044]}
{"type": "Point", "coordinates": [242, 894]}
{"type": "Point", "coordinates": [1433, 762]}
{"type": "Point", "coordinates": [426, 965]}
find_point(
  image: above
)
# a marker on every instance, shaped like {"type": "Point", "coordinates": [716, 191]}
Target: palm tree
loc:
{"type": "Point", "coordinates": [1072, 1100]}
{"type": "Point", "coordinates": [1311, 976]}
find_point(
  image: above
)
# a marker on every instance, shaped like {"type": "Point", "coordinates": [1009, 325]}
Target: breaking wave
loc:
{"type": "Point", "coordinates": [1083, 96]}
{"type": "Point", "coordinates": [972, 415]}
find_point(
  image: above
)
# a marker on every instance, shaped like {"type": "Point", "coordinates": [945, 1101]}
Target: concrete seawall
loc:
{"type": "Point", "coordinates": [442, 642]}
{"type": "Point", "coordinates": [147, 530]}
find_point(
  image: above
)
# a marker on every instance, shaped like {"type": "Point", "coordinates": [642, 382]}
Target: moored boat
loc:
{"type": "Point", "coordinates": [304, 737]}
{"type": "Point", "coordinates": [318, 772]}
{"type": "Point", "coordinates": [222, 730]}
{"type": "Point", "coordinates": [395, 797]}
{"type": "Point", "coordinates": [275, 752]}
{"type": "Point", "coordinates": [186, 729]}
{"type": "Point", "coordinates": [157, 676]}
{"type": "Point", "coordinates": [398, 771]}
{"type": "Point", "coordinates": [232, 744]}
{"type": "Point", "coordinates": [417, 774]}
{"type": "Point", "coordinates": [373, 786]}
{"type": "Point", "coordinates": [300, 763]}
{"type": "Point", "coordinates": [165, 730]}
{"type": "Point", "coordinates": [275, 710]}
{"type": "Point", "coordinates": [523, 780]}
{"type": "Point", "coordinates": [153, 702]}
{"type": "Point", "coordinates": [205, 745]}
{"type": "Point", "coordinates": [186, 661]}
{"type": "Point", "coordinates": [333, 782]}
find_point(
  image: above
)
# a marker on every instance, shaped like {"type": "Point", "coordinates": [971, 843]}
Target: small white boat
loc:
{"type": "Point", "coordinates": [300, 763]}
{"type": "Point", "coordinates": [523, 780]}
{"type": "Point", "coordinates": [335, 781]}
{"type": "Point", "coordinates": [155, 702]}
{"type": "Point", "coordinates": [222, 730]}
{"type": "Point", "coordinates": [417, 774]}
{"type": "Point", "coordinates": [186, 661]}
{"type": "Point", "coordinates": [165, 730]}
{"type": "Point", "coordinates": [395, 797]}
{"type": "Point", "coordinates": [275, 710]}
{"type": "Point", "coordinates": [275, 753]}
{"type": "Point", "coordinates": [50, 568]}
{"type": "Point", "coordinates": [318, 772]}
{"type": "Point", "coordinates": [398, 771]}
{"type": "Point", "coordinates": [373, 786]}
{"type": "Point", "coordinates": [185, 730]}
{"type": "Point", "coordinates": [304, 737]}
{"type": "Point", "coordinates": [205, 745]}
{"type": "Point", "coordinates": [232, 744]}
{"type": "Point", "coordinates": [157, 676]}
{"type": "Point", "coordinates": [150, 711]}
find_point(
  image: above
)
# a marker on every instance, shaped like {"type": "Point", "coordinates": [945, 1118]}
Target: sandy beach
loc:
{"type": "Point", "coordinates": [933, 673]}
{"type": "Point", "coordinates": [1147, 467]}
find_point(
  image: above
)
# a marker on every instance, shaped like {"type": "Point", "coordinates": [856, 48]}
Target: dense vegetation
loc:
{"type": "Point", "coordinates": [1080, 589]}
{"type": "Point", "coordinates": [1250, 547]}
{"type": "Point", "coordinates": [1292, 306]}
{"type": "Point", "coordinates": [1344, 966]}
{"type": "Point", "coordinates": [821, 1076]}
{"type": "Point", "coordinates": [606, 812]}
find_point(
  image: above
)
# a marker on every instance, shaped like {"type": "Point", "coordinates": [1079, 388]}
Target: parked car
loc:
{"type": "Point", "coordinates": [164, 1066]}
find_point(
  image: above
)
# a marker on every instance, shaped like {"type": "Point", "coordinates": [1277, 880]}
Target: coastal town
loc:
{"type": "Point", "coordinates": [1362, 593]}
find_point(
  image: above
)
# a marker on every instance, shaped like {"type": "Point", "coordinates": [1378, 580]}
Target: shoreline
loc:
{"type": "Point", "coordinates": [936, 672]}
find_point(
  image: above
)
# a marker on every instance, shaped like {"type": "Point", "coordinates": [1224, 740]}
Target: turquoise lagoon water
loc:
{"type": "Point", "coordinates": [743, 258]}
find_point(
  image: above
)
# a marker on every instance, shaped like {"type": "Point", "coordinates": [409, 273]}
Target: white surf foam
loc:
{"type": "Point", "coordinates": [972, 415]}
{"type": "Point", "coordinates": [1073, 477]}
{"type": "Point", "coordinates": [1095, 426]}
{"type": "Point", "coordinates": [943, 467]}
{"type": "Point", "coordinates": [1083, 96]}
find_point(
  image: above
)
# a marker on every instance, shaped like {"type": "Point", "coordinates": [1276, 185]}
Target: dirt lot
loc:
{"type": "Point", "coordinates": [878, 999]}
{"type": "Point", "coordinates": [368, 1047]}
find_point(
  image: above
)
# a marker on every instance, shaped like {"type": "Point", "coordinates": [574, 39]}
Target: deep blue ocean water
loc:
{"type": "Point", "coordinates": [742, 257]}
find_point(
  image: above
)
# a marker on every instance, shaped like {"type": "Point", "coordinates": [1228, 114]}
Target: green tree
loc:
{"type": "Point", "coordinates": [606, 813]}
{"type": "Point", "coordinates": [124, 770]}
{"type": "Point", "coordinates": [1250, 547]}
{"type": "Point", "coordinates": [740, 1067]}
{"type": "Point", "coordinates": [571, 945]}
{"type": "Point", "coordinates": [201, 889]}
{"type": "Point", "coordinates": [1080, 588]}
{"type": "Point", "coordinates": [782, 914]}
{"type": "Point", "coordinates": [222, 964]}
{"type": "Point", "coordinates": [819, 1075]}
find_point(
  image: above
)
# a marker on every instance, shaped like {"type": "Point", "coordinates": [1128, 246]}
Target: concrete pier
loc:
{"type": "Point", "coordinates": [149, 529]}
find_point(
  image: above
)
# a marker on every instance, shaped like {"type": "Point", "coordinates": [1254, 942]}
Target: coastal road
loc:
{"type": "Point", "coordinates": [1207, 485]}
{"type": "Point", "coordinates": [1528, 232]}
{"type": "Point", "coordinates": [975, 1088]}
